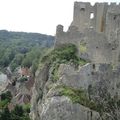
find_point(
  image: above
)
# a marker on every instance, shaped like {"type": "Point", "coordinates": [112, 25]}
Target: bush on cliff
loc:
{"type": "Point", "coordinates": [5, 99]}
{"type": "Point", "coordinates": [18, 113]}
{"type": "Point", "coordinates": [66, 53]}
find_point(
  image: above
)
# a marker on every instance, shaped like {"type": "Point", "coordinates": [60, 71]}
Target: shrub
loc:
{"type": "Point", "coordinates": [5, 99]}
{"type": "Point", "coordinates": [26, 108]}
{"type": "Point", "coordinates": [7, 95]}
{"type": "Point", "coordinates": [3, 103]}
{"type": "Point", "coordinates": [65, 54]}
{"type": "Point", "coordinates": [54, 73]}
{"type": "Point", "coordinates": [23, 79]}
{"type": "Point", "coordinates": [18, 113]}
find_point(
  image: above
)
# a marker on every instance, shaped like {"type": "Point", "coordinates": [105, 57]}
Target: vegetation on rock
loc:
{"type": "Point", "coordinates": [23, 79]}
{"type": "Point", "coordinates": [5, 99]}
{"type": "Point", "coordinates": [18, 113]}
{"type": "Point", "coordinates": [77, 96]}
{"type": "Point", "coordinates": [65, 54]}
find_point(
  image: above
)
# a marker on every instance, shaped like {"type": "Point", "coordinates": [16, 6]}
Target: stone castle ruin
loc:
{"type": "Point", "coordinates": [95, 30]}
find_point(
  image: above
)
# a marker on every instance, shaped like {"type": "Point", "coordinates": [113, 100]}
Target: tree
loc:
{"type": "Point", "coordinates": [18, 110]}
{"type": "Point", "coordinates": [6, 96]}
{"type": "Point", "coordinates": [5, 115]}
{"type": "Point", "coordinates": [35, 66]}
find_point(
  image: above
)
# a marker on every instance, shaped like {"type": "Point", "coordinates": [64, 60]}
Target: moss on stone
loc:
{"type": "Point", "coordinates": [82, 62]}
{"type": "Point", "coordinates": [83, 47]}
{"type": "Point", "coordinates": [79, 96]}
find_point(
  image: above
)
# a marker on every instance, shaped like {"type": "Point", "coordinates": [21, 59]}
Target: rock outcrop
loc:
{"type": "Point", "coordinates": [62, 108]}
{"type": "Point", "coordinates": [86, 85]}
{"type": "Point", "coordinates": [55, 100]}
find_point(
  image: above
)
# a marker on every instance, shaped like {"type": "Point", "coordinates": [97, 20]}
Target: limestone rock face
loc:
{"type": "Point", "coordinates": [91, 91]}
{"type": "Point", "coordinates": [100, 83]}
{"type": "Point", "coordinates": [38, 89]}
{"type": "Point", "coordinates": [75, 78]}
{"type": "Point", "coordinates": [61, 108]}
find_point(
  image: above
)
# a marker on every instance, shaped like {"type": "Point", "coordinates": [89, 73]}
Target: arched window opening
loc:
{"type": "Point", "coordinates": [82, 9]}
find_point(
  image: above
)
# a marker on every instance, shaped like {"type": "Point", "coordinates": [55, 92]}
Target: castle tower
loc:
{"type": "Point", "coordinates": [81, 17]}
{"type": "Point", "coordinates": [88, 16]}
{"type": "Point", "coordinates": [97, 29]}
{"type": "Point", "coordinates": [101, 17]}
{"type": "Point", "coordinates": [112, 20]}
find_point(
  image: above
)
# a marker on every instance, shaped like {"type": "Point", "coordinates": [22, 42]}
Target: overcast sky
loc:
{"type": "Point", "coordinates": [40, 16]}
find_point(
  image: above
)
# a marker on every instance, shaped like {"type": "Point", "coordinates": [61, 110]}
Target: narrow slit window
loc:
{"type": "Point", "coordinates": [93, 66]}
{"type": "Point", "coordinates": [91, 15]}
{"type": "Point", "coordinates": [114, 17]}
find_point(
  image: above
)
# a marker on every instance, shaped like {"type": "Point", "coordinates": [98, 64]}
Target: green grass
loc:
{"type": "Point", "coordinates": [78, 96]}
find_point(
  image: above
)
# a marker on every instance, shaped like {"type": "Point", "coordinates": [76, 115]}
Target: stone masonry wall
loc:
{"type": "Point", "coordinates": [98, 27]}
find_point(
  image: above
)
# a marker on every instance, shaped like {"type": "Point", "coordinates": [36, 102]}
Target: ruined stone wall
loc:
{"type": "Point", "coordinates": [96, 29]}
{"type": "Point", "coordinates": [102, 17]}
{"type": "Point", "coordinates": [81, 16]}
{"type": "Point", "coordinates": [112, 21]}
{"type": "Point", "coordinates": [98, 47]}
{"type": "Point", "coordinates": [71, 36]}
{"type": "Point", "coordinates": [99, 75]}
{"type": "Point", "coordinates": [88, 16]}
{"type": "Point", "coordinates": [95, 46]}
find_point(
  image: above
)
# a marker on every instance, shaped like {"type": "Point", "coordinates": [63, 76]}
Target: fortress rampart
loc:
{"type": "Point", "coordinates": [96, 29]}
{"type": "Point", "coordinates": [102, 17]}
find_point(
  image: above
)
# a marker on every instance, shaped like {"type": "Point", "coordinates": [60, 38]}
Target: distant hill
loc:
{"type": "Point", "coordinates": [21, 48]}
{"type": "Point", "coordinates": [31, 38]}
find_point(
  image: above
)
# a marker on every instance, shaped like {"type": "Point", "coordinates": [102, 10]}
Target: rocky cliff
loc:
{"type": "Point", "coordinates": [69, 88]}
{"type": "Point", "coordinates": [82, 83]}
